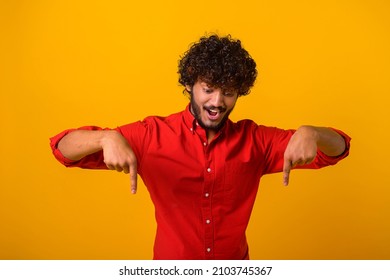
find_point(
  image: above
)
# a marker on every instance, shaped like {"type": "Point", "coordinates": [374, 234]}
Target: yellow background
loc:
{"type": "Point", "coordinates": [66, 64]}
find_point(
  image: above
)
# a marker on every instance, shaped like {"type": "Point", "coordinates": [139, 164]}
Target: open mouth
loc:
{"type": "Point", "coordinates": [214, 113]}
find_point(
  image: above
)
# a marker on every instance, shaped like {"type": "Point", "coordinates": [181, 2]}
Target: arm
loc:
{"type": "Point", "coordinates": [303, 145]}
{"type": "Point", "coordinates": [117, 153]}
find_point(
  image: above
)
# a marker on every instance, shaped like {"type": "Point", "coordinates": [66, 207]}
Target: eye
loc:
{"type": "Point", "coordinates": [208, 90]}
{"type": "Point", "coordinates": [229, 94]}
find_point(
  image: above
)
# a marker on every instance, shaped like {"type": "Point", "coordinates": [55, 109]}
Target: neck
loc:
{"type": "Point", "coordinates": [210, 134]}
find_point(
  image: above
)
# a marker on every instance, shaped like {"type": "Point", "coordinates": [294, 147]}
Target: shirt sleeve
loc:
{"type": "Point", "coordinates": [138, 135]}
{"type": "Point", "coordinates": [274, 142]}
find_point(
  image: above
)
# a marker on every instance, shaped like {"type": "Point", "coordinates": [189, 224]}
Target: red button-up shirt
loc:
{"type": "Point", "coordinates": [203, 192]}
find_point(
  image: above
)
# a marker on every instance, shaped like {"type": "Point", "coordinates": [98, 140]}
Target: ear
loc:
{"type": "Point", "coordinates": [189, 89]}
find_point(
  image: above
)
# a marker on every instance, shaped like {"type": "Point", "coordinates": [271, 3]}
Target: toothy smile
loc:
{"type": "Point", "coordinates": [213, 112]}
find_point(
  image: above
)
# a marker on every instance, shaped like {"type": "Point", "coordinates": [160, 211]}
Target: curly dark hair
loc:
{"type": "Point", "coordinates": [219, 61]}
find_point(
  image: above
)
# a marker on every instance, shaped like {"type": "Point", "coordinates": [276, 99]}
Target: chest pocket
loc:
{"type": "Point", "coordinates": [241, 181]}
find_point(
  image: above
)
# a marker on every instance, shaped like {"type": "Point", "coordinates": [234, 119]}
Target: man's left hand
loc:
{"type": "Point", "coordinates": [300, 150]}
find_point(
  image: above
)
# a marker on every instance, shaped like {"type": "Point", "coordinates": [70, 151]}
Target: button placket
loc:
{"type": "Point", "coordinates": [209, 180]}
{"type": "Point", "coordinates": [208, 183]}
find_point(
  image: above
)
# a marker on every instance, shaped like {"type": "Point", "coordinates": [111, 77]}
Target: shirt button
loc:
{"type": "Point", "coordinates": [191, 129]}
{"type": "Point", "coordinates": [206, 194]}
{"type": "Point", "coordinates": [208, 250]}
{"type": "Point", "coordinates": [204, 143]}
{"type": "Point", "coordinates": [209, 170]}
{"type": "Point", "coordinates": [208, 221]}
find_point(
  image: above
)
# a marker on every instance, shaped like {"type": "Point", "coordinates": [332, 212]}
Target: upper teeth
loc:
{"type": "Point", "coordinates": [214, 111]}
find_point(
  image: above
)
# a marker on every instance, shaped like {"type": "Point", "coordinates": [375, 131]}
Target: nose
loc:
{"type": "Point", "coordinates": [217, 98]}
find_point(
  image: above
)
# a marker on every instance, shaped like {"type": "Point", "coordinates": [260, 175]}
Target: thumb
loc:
{"type": "Point", "coordinates": [286, 171]}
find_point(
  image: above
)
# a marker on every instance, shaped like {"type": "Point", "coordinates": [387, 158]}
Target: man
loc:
{"type": "Point", "coordinates": [202, 170]}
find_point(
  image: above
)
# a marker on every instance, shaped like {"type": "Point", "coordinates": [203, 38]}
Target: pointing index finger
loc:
{"type": "Point", "coordinates": [133, 179]}
{"type": "Point", "coordinates": [286, 171]}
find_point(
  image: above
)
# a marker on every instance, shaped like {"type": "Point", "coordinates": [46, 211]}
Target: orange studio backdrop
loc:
{"type": "Point", "coordinates": [66, 64]}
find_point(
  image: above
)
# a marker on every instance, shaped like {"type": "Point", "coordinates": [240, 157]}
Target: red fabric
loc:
{"type": "Point", "coordinates": [203, 193]}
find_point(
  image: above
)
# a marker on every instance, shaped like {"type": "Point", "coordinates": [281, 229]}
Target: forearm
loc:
{"type": "Point", "coordinates": [80, 143]}
{"type": "Point", "coordinates": [328, 141]}
{"type": "Point", "coordinates": [117, 153]}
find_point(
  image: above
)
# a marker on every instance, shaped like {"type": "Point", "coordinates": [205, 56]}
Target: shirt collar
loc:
{"type": "Point", "coordinates": [189, 118]}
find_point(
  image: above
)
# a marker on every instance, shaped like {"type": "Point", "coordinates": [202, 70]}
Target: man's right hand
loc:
{"type": "Point", "coordinates": [117, 152]}
{"type": "Point", "coordinates": [119, 156]}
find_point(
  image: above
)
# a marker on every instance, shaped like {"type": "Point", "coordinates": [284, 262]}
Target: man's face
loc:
{"type": "Point", "coordinates": [211, 106]}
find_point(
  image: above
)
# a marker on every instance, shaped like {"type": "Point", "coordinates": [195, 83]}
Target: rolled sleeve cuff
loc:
{"type": "Point", "coordinates": [334, 159]}
{"type": "Point", "coordinates": [56, 152]}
